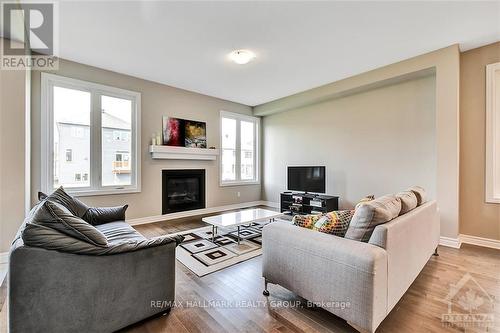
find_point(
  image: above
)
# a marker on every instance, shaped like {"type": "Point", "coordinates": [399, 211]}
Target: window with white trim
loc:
{"type": "Point", "coordinates": [493, 133]}
{"type": "Point", "coordinates": [85, 126]}
{"type": "Point", "coordinates": [239, 153]}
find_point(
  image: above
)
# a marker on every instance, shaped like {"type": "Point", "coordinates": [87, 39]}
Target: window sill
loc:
{"type": "Point", "coordinates": [239, 183]}
{"type": "Point", "coordinates": [493, 200]}
{"type": "Point", "coordinates": [90, 193]}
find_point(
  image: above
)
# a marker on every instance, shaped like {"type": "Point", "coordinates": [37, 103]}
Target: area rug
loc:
{"type": "Point", "coordinates": [202, 256]}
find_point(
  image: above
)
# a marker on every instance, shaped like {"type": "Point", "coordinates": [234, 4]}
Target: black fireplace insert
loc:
{"type": "Point", "coordinates": [183, 190]}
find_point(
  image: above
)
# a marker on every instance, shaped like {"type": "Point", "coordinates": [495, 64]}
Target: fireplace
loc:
{"type": "Point", "coordinates": [183, 190]}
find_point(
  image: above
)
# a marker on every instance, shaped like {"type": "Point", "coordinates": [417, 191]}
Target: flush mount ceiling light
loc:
{"type": "Point", "coordinates": [241, 57]}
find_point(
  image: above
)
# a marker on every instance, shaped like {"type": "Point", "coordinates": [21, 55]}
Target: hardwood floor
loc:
{"type": "Point", "coordinates": [231, 300]}
{"type": "Point", "coordinates": [419, 310]}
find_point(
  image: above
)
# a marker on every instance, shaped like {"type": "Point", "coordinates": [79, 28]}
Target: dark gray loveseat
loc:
{"type": "Point", "coordinates": [59, 283]}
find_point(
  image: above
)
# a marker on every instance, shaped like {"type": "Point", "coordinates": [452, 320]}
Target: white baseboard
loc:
{"type": "Point", "coordinates": [165, 217]}
{"type": "Point", "coordinates": [450, 242]}
{"type": "Point", "coordinates": [467, 239]}
{"type": "Point", "coordinates": [4, 257]}
{"type": "Point", "coordinates": [480, 241]}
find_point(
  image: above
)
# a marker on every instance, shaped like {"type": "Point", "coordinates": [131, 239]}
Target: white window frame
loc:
{"type": "Point", "coordinates": [48, 82]}
{"type": "Point", "coordinates": [492, 135]}
{"type": "Point", "coordinates": [240, 117]}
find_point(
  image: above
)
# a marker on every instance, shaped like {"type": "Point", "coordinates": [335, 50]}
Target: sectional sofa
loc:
{"type": "Point", "coordinates": [75, 268]}
{"type": "Point", "coordinates": [358, 281]}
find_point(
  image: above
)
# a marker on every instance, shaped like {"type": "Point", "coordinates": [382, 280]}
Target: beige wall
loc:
{"type": "Point", "coordinates": [375, 142]}
{"type": "Point", "coordinates": [446, 64]}
{"type": "Point", "coordinates": [477, 218]}
{"type": "Point", "coordinates": [157, 100]}
{"type": "Point", "coordinates": [13, 154]}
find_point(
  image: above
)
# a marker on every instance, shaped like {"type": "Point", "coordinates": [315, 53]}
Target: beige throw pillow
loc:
{"type": "Point", "coordinates": [408, 201]}
{"type": "Point", "coordinates": [366, 199]}
{"type": "Point", "coordinates": [371, 214]}
{"type": "Point", "coordinates": [420, 193]}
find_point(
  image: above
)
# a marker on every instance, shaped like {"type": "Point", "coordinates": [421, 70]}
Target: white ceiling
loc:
{"type": "Point", "coordinates": [299, 45]}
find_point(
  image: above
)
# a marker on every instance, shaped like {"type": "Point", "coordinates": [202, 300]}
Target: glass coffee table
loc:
{"type": "Point", "coordinates": [239, 218]}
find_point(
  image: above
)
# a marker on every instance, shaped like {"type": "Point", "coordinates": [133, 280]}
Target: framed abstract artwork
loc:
{"type": "Point", "coordinates": [173, 131]}
{"type": "Point", "coordinates": [184, 133]}
{"type": "Point", "coordinates": [195, 134]}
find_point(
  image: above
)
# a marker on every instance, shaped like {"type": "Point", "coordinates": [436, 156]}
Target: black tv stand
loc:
{"type": "Point", "coordinates": [292, 203]}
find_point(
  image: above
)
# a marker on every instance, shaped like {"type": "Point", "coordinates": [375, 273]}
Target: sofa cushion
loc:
{"type": "Point", "coordinates": [58, 217]}
{"type": "Point", "coordinates": [100, 215]}
{"type": "Point", "coordinates": [420, 193]}
{"type": "Point", "coordinates": [74, 205]}
{"type": "Point", "coordinates": [119, 231]}
{"type": "Point", "coordinates": [306, 221]}
{"type": "Point", "coordinates": [334, 223]}
{"type": "Point", "coordinates": [408, 201]}
{"type": "Point", "coordinates": [371, 214]}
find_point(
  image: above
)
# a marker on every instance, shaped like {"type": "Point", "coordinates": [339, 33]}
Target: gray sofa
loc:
{"type": "Point", "coordinates": [59, 283]}
{"type": "Point", "coordinates": [357, 281]}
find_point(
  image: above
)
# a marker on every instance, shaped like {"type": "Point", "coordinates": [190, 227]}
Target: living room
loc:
{"type": "Point", "coordinates": [250, 166]}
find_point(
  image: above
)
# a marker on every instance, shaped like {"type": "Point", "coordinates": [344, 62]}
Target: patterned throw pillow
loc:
{"type": "Point", "coordinates": [366, 199]}
{"type": "Point", "coordinates": [306, 221]}
{"type": "Point", "coordinates": [335, 223]}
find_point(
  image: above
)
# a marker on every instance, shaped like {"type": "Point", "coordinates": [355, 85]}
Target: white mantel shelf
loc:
{"type": "Point", "coordinates": [182, 153]}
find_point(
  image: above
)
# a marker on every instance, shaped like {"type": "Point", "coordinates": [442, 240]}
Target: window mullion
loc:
{"type": "Point", "coordinates": [255, 150]}
{"type": "Point", "coordinates": [95, 141]}
{"type": "Point", "coordinates": [238, 150]}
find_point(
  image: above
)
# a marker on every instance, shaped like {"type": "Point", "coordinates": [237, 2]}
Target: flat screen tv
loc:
{"type": "Point", "coordinates": [306, 179]}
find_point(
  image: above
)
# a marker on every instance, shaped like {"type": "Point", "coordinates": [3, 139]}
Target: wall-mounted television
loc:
{"type": "Point", "coordinates": [307, 179]}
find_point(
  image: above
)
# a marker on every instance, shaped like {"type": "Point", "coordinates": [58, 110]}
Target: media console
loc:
{"type": "Point", "coordinates": [307, 203]}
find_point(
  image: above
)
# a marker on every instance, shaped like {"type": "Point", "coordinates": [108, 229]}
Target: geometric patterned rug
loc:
{"type": "Point", "coordinates": [202, 256]}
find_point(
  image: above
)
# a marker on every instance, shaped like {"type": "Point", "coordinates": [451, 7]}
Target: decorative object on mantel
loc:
{"type": "Point", "coordinates": [156, 139]}
{"type": "Point", "coordinates": [183, 133]}
{"type": "Point", "coordinates": [183, 153]}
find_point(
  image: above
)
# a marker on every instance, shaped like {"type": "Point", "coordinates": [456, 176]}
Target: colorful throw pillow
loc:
{"type": "Point", "coordinates": [306, 221]}
{"type": "Point", "coordinates": [366, 199]}
{"type": "Point", "coordinates": [335, 223]}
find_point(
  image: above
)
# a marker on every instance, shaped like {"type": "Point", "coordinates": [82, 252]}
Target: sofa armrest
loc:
{"type": "Point", "coordinates": [53, 291]}
{"type": "Point", "coordinates": [409, 240]}
{"type": "Point", "coordinates": [38, 236]}
{"type": "Point", "coordinates": [346, 277]}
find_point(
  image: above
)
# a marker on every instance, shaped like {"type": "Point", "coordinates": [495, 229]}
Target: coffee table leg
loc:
{"type": "Point", "coordinates": [238, 235]}
{"type": "Point", "coordinates": [213, 233]}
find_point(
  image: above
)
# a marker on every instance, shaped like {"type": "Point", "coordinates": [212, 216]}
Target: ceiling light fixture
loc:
{"type": "Point", "coordinates": [241, 57]}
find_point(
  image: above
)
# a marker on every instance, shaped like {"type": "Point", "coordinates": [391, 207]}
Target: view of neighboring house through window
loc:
{"type": "Point", "coordinates": [247, 150]}
{"type": "Point", "coordinates": [239, 154]}
{"type": "Point", "coordinates": [71, 116]}
{"type": "Point", "coordinates": [69, 155]}
{"type": "Point", "coordinates": [116, 128]}
{"type": "Point", "coordinates": [82, 156]}
{"type": "Point", "coordinates": [228, 149]}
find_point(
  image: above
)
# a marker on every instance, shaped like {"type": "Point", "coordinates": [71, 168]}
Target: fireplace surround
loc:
{"type": "Point", "coordinates": [183, 190]}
